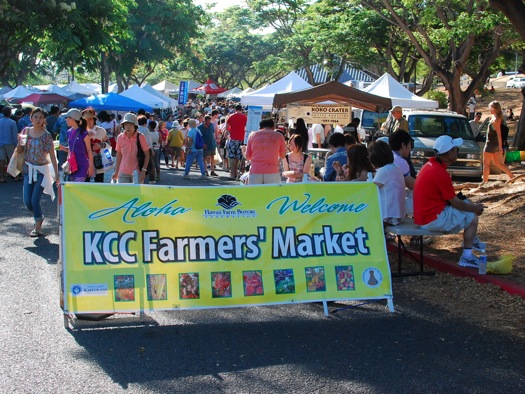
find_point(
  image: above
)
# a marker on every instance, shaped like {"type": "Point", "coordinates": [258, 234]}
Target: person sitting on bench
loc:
{"type": "Point", "coordinates": [438, 208]}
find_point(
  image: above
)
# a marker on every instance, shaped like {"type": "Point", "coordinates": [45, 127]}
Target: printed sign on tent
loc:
{"type": "Point", "coordinates": [320, 113]}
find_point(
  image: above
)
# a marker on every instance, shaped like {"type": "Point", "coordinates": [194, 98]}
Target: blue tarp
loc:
{"type": "Point", "coordinates": [109, 101]}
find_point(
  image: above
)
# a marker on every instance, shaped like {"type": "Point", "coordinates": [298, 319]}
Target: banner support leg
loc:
{"type": "Point", "coordinates": [390, 304]}
{"type": "Point", "coordinates": [325, 307]}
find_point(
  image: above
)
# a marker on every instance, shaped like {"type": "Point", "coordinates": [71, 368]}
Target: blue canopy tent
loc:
{"type": "Point", "coordinates": [109, 101]}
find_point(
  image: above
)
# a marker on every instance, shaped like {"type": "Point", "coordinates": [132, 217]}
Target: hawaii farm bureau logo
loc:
{"type": "Point", "coordinates": [230, 209]}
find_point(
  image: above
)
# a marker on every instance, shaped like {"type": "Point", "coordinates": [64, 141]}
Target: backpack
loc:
{"type": "Point", "coordinates": [141, 156]}
{"type": "Point", "coordinates": [199, 142]}
{"type": "Point", "coordinates": [504, 135]}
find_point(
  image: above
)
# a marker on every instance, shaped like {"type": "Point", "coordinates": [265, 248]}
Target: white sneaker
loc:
{"type": "Point", "coordinates": [471, 261]}
{"type": "Point", "coordinates": [477, 245]}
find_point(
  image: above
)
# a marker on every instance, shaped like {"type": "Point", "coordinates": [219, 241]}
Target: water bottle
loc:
{"type": "Point", "coordinates": [306, 178]}
{"type": "Point", "coordinates": [482, 264]}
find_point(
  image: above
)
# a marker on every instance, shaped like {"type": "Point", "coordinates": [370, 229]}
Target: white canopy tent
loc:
{"type": "Point", "coordinates": [94, 86]}
{"type": "Point", "coordinates": [231, 93]}
{"type": "Point", "coordinates": [113, 88]}
{"type": "Point", "coordinates": [4, 90]}
{"type": "Point", "coordinates": [148, 88]}
{"type": "Point", "coordinates": [166, 87]}
{"type": "Point", "coordinates": [18, 93]}
{"type": "Point", "coordinates": [264, 96]}
{"type": "Point", "coordinates": [58, 90]}
{"type": "Point", "coordinates": [248, 91]}
{"type": "Point", "coordinates": [387, 86]}
{"type": "Point", "coordinates": [192, 85]}
{"type": "Point", "coordinates": [42, 87]}
{"type": "Point", "coordinates": [75, 87]}
{"type": "Point", "coordinates": [136, 93]}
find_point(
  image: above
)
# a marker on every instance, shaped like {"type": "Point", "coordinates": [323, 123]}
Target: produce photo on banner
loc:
{"type": "Point", "coordinates": [127, 248]}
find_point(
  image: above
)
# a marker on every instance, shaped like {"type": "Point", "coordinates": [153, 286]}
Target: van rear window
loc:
{"type": "Point", "coordinates": [434, 126]}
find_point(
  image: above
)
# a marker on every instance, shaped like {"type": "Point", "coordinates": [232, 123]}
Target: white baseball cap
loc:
{"type": "Point", "coordinates": [445, 143]}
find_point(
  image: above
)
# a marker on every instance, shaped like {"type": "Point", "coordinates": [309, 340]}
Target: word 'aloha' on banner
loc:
{"type": "Point", "coordinates": [127, 247]}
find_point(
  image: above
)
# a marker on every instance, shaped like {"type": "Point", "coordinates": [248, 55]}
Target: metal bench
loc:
{"type": "Point", "coordinates": [409, 228]}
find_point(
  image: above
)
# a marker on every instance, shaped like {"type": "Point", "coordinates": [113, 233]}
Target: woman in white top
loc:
{"type": "Point", "coordinates": [389, 178]}
{"type": "Point", "coordinates": [112, 128]}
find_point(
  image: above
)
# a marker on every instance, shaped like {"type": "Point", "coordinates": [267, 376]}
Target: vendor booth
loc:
{"type": "Point", "coordinates": [334, 92]}
{"type": "Point", "coordinates": [329, 103]}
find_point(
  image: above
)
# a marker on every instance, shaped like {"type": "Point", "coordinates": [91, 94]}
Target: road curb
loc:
{"type": "Point", "coordinates": [451, 267]}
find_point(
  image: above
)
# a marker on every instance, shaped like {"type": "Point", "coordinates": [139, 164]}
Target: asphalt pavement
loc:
{"type": "Point", "coordinates": [420, 348]}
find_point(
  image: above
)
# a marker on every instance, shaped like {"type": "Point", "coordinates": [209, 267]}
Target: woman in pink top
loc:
{"type": "Point", "coordinates": [265, 148]}
{"type": "Point", "coordinates": [127, 161]}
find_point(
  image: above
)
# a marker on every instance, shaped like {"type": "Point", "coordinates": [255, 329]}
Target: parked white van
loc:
{"type": "Point", "coordinates": [426, 126]}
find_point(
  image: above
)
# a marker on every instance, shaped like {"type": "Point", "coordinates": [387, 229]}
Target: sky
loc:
{"type": "Point", "coordinates": [221, 4]}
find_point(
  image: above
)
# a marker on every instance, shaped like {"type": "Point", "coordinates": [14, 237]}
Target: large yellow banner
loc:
{"type": "Point", "coordinates": [130, 247]}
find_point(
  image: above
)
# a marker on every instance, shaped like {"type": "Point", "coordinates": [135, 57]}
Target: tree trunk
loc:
{"type": "Point", "coordinates": [427, 84]}
{"type": "Point", "coordinates": [105, 72]}
{"type": "Point", "coordinates": [310, 75]}
{"type": "Point", "coordinates": [120, 84]}
{"type": "Point", "coordinates": [514, 10]}
{"type": "Point", "coordinates": [519, 138]}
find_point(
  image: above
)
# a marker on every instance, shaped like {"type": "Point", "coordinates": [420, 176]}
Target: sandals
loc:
{"type": "Point", "coordinates": [36, 234]}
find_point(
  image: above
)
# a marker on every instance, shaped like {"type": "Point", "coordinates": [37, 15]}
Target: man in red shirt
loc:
{"type": "Point", "coordinates": [264, 149]}
{"type": "Point", "coordinates": [438, 208]}
{"type": "Point", "coordinates": [236, 125]}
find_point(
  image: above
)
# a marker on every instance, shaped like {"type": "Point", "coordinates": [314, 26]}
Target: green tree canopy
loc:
{"type": "Point", "coordinates": [232, 54]}
{"type": "Point", "coordinates": [445, 34]}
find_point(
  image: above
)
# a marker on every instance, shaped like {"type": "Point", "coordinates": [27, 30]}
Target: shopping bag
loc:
{"type": "Point", "coordinates": [108, 161]}
{"type": "Point", "coordinates": [16, 163]}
